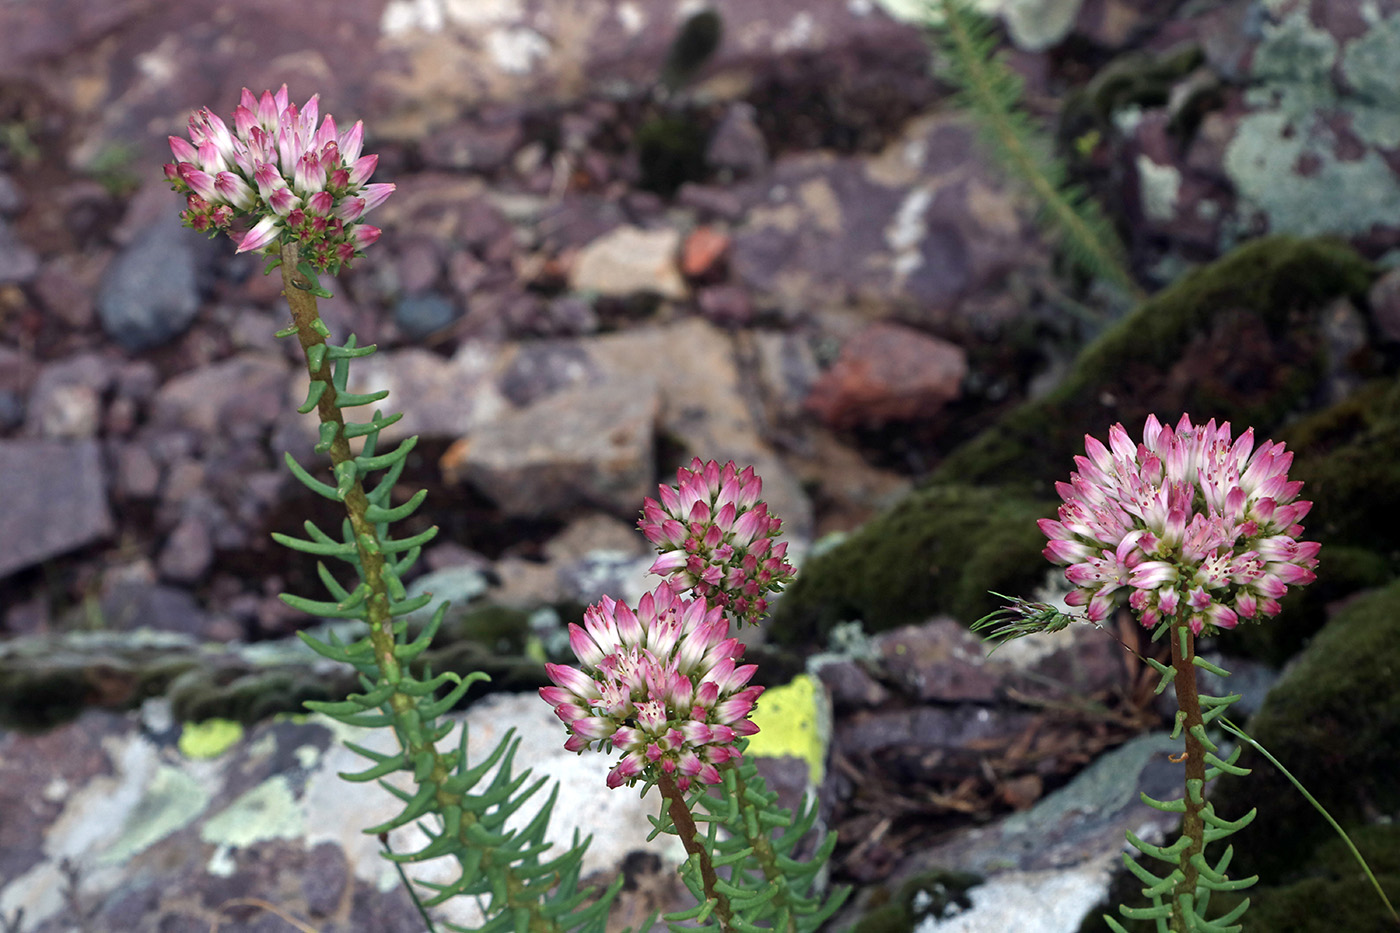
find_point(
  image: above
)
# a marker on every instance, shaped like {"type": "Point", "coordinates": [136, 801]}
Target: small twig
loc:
{"type": "Point", "coordinates": [261, 905]}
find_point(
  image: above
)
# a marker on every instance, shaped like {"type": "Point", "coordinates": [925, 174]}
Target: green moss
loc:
{"type": "Point", "coordinates": [1128, 372]}
{"type": "Point", "coordinates": [248, 696]}
{"type": "Point", "coordinates": [1334, 895]}
{"type": "Point", "coordinates": [670, 152]}
{"type": "Point", "coordinates": [930, 894]}
{"type": "Point", "coordinates": [1333, 720]}
{"type": "Point", "coordinates": [940, 550]}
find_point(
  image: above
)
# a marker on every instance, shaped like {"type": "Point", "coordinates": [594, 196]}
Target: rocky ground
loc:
{"type": "Point", "coordinates": [610, 251]}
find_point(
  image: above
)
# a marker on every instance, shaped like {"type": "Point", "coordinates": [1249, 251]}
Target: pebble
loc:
{"type": "Point", "coordinates": [149, 294]}
{"type": "Point", "coordinates": [888, 372]}
{"type": "Point", "coordinates": [419, 316]}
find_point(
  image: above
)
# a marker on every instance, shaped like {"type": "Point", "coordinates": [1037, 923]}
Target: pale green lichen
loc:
{"type": "Point", "coordinates": [1369, 67]}
{"type": "Point", "coordinates": [1263, 160]}
{"type": "Point", "coordinates": [173, 799]}
{"type": "Point", "coordinates": [792, 721]}
{"type": "Point", "coordinates": [209, 739]}
{"type": "Point", "coordinates": [1283, 157]}
{"type": "Point", "coordinates": [268, 811]}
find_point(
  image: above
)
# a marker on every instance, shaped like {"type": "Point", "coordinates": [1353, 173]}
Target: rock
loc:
{"type": "Point", "coordinates": [419, 265]}
{"type": "Point", "coordinates": [737, 144]}
{"type": "Point", "coordinates": [11, 198]}
{"type": "Point", "coordinates": [138, 474]}
{"type": "Point", "coordinates": [702, 255]}
{"type": "Point", "coordinates": [18, 263]}
{"type": "Point", "coordinates": [241, 395]}
{"type": "Point", "coordinates": [57, 500]}
{"type": "Point", "coordinates": [888, 372]}
{"type": "Point", "coordinates": [66, 401]}
{"type": "Point", "coordinates": [444, 398]}
{"type": "Point", "coordinates": [1384, 300]}
{"type": "Point", "coordinates": [630, 261]}
{"type": "Point", "coordinates": [262, 816]}
{"type": "Point", "coordinates": [727, 306]}
{"type": "Point", "coordinates": [1298, 134]}
{"type": "Point", "coordinates": [419, 316]}
{"type": "Point", "coordinates": [149, 293]}
{"type": "Point", "coordinates": [482, 144]}
{"type": "Point", "coordinates": [926, 225]}
{"type": "Point", "coordinates": [705, 405]}
{"type": "Point", "coordinates": [65, 285]}
{"type": "Point", "coordinates": [130, 606]}
{"type": "Point", "coordinates": [1047, 868]}
{"type": "Point", "coordinates": [589, 445]}
{"type": "Point", "coordinates": [538, 368]}
{"type": "Point", "coordinates": [188, 551]}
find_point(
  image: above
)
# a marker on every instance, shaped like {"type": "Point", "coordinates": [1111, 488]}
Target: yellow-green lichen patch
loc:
{"type": "Point", "coordinates": [209, 739]}
{"type": "Point", "coordinates": [172, 800]}
{"type": "Point", "coordinates": [792, 721]}
{"type": "Point", "coordinates": [268, 811]}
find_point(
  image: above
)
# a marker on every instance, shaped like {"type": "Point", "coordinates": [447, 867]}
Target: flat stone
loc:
{"type": "Point", "coordinates": [57, 500]}
{"type": "Point", "coordinates": [588, 445]}
{"type": "Point", "coordinates": [630, 261]}
{"type": "Point", "coordinates": [704, 405]}
{"type": "Point", "coordinates": [243, 393]}
{"type": "Point", "coordinates": [888, 372]}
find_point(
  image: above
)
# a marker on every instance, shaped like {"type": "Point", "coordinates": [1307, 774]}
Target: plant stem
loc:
{"type": "Point", "coordinates": [685, 829]}
{"type": "Point", "coordinates": [1192, 823]}
{"type": "Point", "coordinates": [762, 844]}
{"type": "Point", "coordinates": [296, 288]}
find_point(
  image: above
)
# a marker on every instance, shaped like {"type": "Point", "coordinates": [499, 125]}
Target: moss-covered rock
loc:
{"type": "Point", "coordinates": [940, 550]}
{"type": "Point", "coordinates": [934, 895]}
{"type": "Point", "coordinates": [1334, 721]}
{"type": "Point", "coordinates": [1345, 455]}
{"type": "Point", "coordinates": [1235, 340]}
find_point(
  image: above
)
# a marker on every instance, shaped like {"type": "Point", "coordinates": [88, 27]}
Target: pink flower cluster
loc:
{"type": "Point", "coordinates": [277, 168]}
{"type": "Point", "coordinates": [660, 684]}
{"type": "Point", "coordinates": [717, 538]}
{"type": "Point", "coordinates": [1188, 524]}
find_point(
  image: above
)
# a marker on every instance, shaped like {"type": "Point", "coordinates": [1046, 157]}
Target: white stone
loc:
{"type": "Point", "coordinates": [629, 261]}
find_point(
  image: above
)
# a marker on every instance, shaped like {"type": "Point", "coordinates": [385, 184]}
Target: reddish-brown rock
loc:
{"type": "Point", "coordinates": [888, 372]}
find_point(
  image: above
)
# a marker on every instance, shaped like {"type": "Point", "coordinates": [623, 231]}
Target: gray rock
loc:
{"type": "Point", "coordinates": [421, 315]}
{"type": "Point", "coordinates": [130, 606]}
{"type": "Point", "coordinates": [737, 143]}
{"type": "Point", "coordinates": [149, 294]}
{"type": "Point", "coordinates": [11, 198]}
{"type": "Point", "coordinates": [241, 394]}
{"type": "Point", "coordinates": [188, 551]}
{"type": "Point", "coordinates": [66, 401]}
{"type": "Point", "coordinates": [589, 445]}
{"type": "Point", "coordinates": [18, 263]}
{"type": "Point", "coordinates": [56, 500]}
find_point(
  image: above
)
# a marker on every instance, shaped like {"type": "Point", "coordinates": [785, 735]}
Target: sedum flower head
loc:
{"type": "Point", "coordinates": [661, 684]}
{"type": "Point", "coordinates": [717, 538]}
{"type": "Point", "coordinates": [286, 175]}
{"type": "Point", "coordinates": [1188, 524]}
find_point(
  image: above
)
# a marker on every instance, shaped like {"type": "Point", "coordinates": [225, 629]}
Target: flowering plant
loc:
{"type": "Point", "coordinates": [660, 683]}
{"type": "Point", "coordinates": [277, 168]}
{"type": "Point", "coordinates": [1194, 531]}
